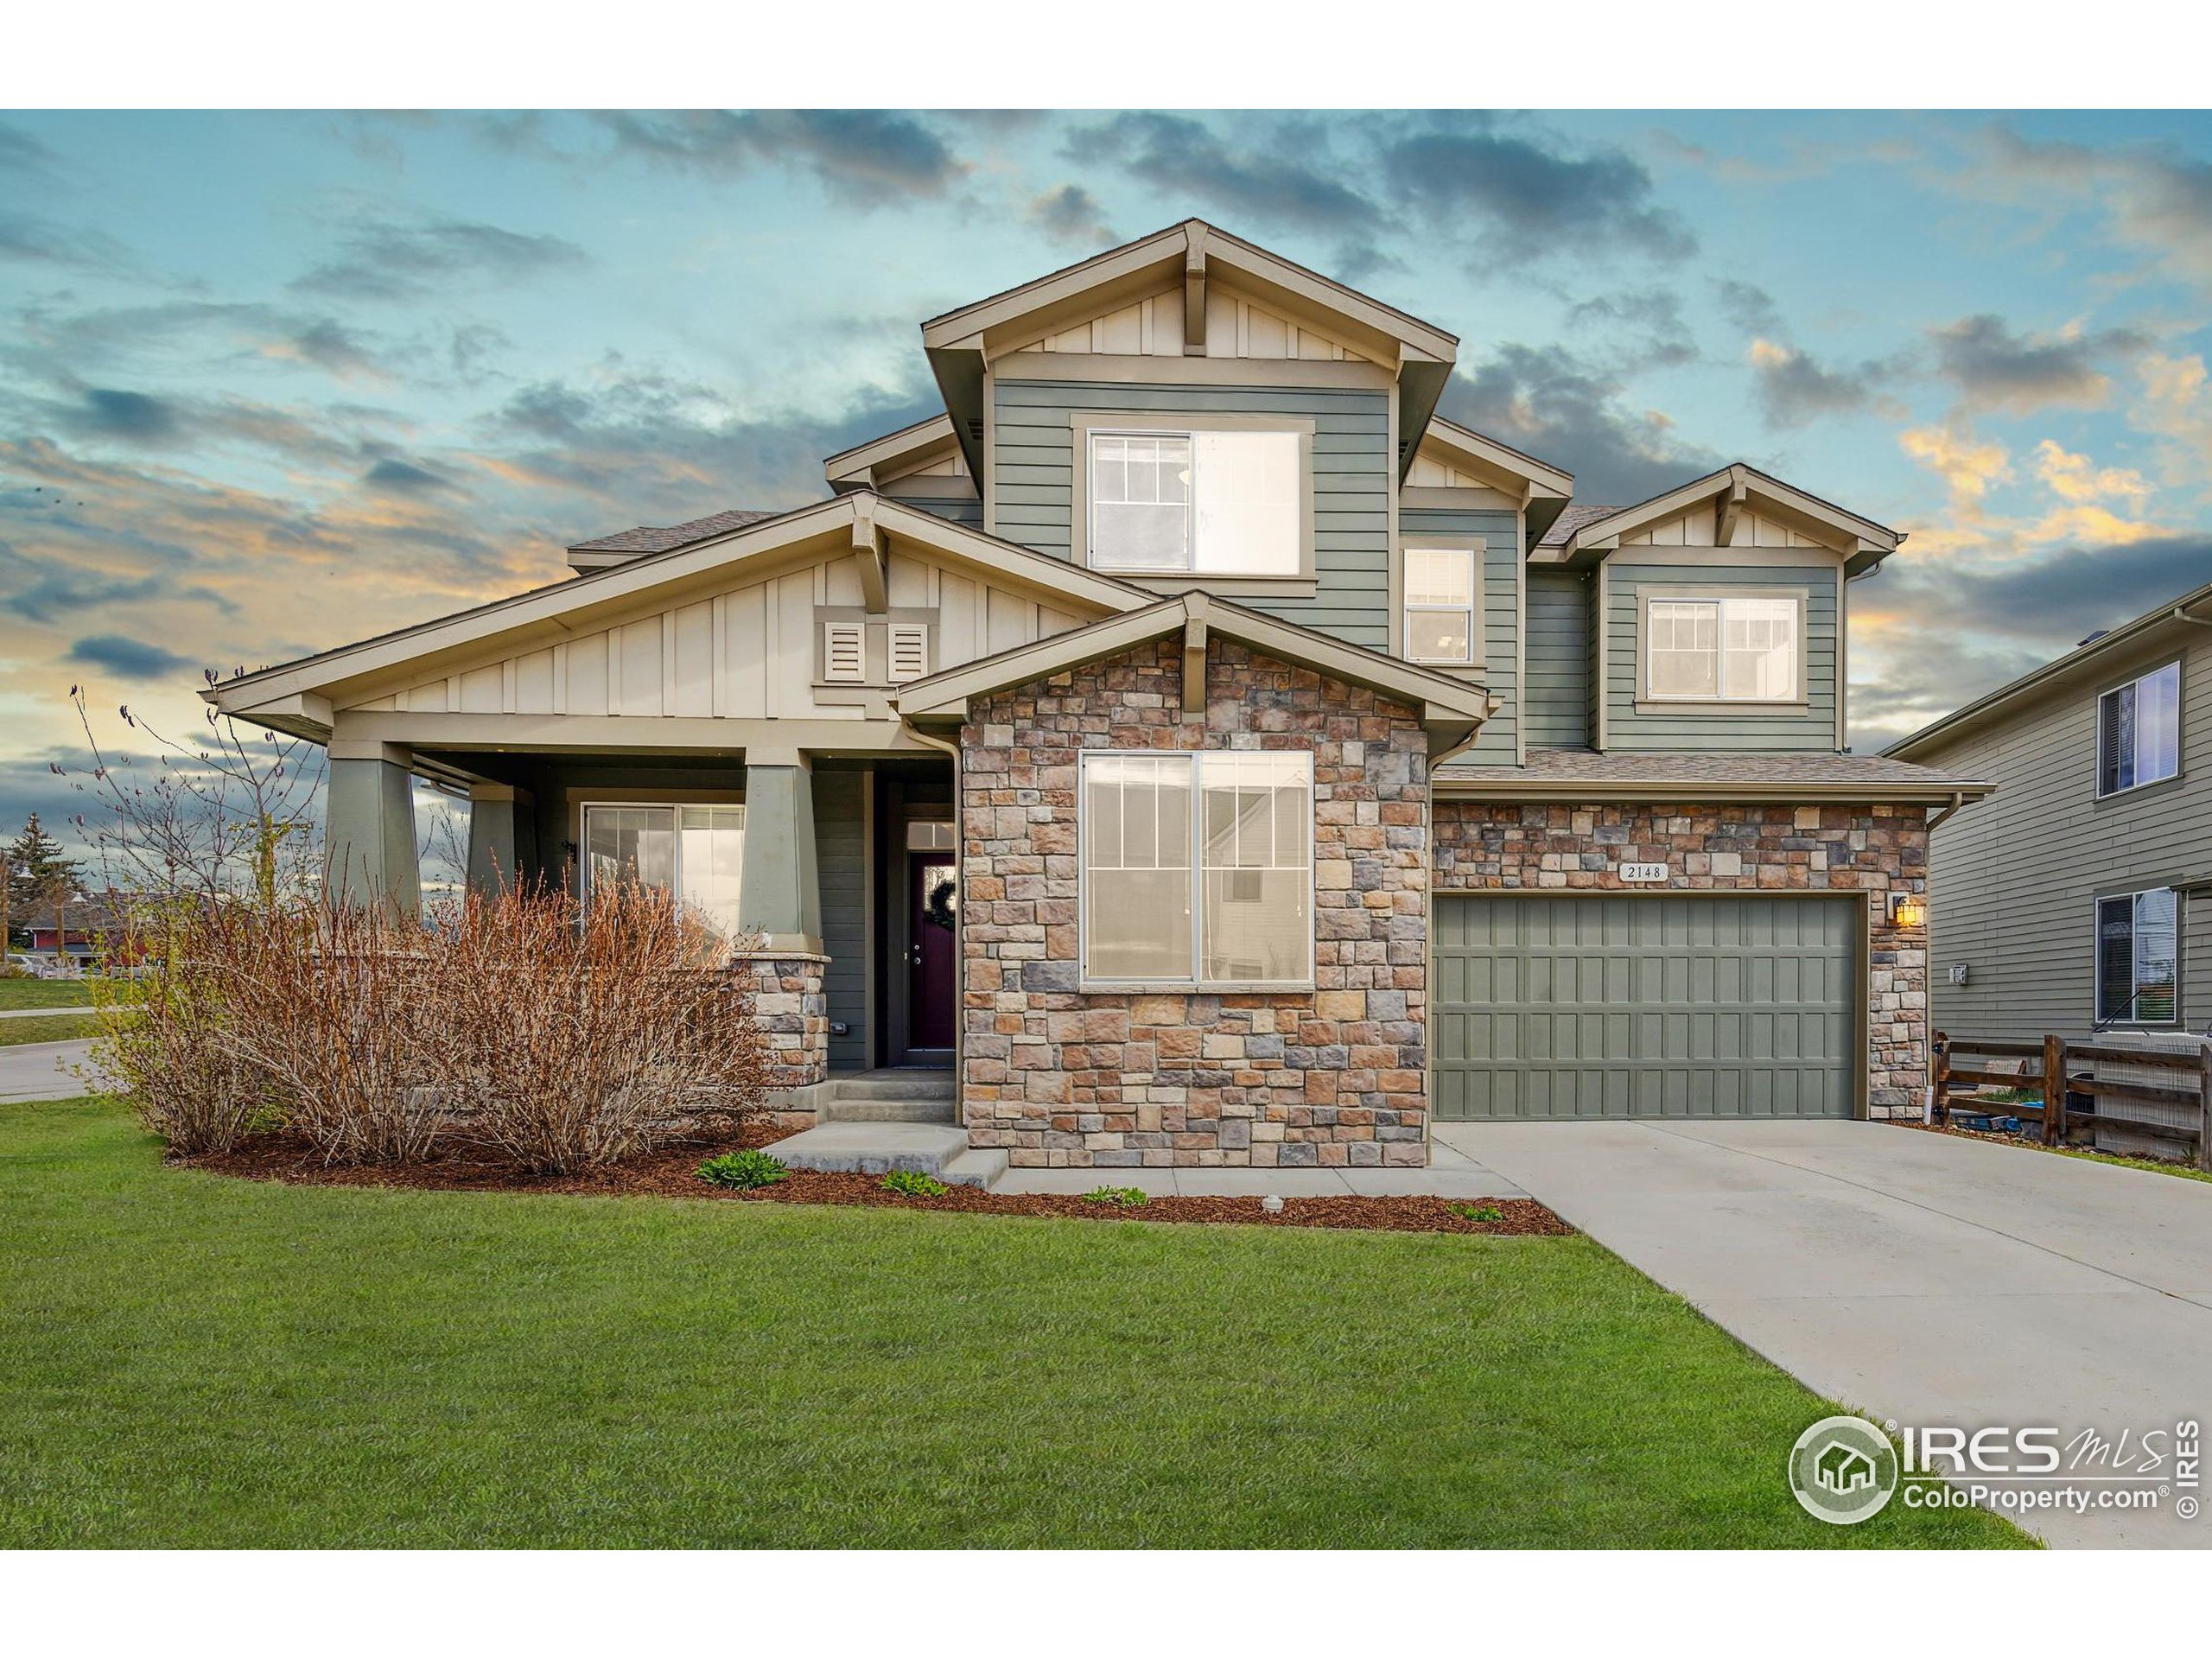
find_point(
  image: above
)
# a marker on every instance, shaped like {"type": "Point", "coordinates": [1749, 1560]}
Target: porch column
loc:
{"type": "Point", "coordinates": [501, 836]}
{"type": "Point", "coordinates": [780, 888]}
{"type": "Point", "coordinates": [369, 847]}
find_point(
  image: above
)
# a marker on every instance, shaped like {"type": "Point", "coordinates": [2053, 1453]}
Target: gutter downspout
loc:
{"type": "Point", "coordinates": [2180, 615]}
{"type": "Point", "coordinates": [960, 954]}
{"type": "Point", "coordinates": [1959, 799]}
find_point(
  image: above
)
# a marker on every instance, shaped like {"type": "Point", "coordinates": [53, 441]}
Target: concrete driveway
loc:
{"type": "Point", "coordinates": [1920, 1277]}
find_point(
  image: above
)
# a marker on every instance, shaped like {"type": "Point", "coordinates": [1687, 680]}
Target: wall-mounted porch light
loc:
{"type": "Point", "coordinates": [1908, 910]}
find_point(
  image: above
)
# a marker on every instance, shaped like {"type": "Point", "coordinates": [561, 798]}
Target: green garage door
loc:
{"type": "Point", "coordinates": [1635, 1004]}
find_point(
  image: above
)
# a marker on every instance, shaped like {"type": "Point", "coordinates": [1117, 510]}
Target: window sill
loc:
{"type": "Point", "coordinates": [1193, 987]}
{"type": "Point", "coordinates": [2137, 789]}
{"type": "Point", "coordinates": [1228, 587]}
{"type": "Point", "coordinates": [1720, 706]}
{"type": "Point", "coordinates": [1469, 671]}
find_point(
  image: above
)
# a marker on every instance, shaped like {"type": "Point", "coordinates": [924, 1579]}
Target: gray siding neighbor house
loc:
{"type": "Point", "coordinates": [1189, 748]}
{"type": "Point", "coordinates": [2080, 895]}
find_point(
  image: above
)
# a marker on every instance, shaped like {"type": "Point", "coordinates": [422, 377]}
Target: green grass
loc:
{"type": "Point", "coordinates": [44, 994]}
{"type": "Point", "coordinates": [192, 1361]}
{"type": "Point", "coordinates": [56, 1028]}
{"type": "Point", "coordinates": [2158, 1166]}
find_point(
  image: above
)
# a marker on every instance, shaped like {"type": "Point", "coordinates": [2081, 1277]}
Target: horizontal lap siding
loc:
{"type": "Point", "coordinates": [961, 510]}
{"type": "Point", "coordinates": [1811, 732]}
{"type": "Point", "coordinates": [2014, 878]}
{"type": "Point", "coordinates": [1034, 460]}
{"type": "Point", "coordinates": [840, 859]}
{"type": "Point", "coordinates": [1556, 700]}
{"type": "Point", "coordinates": [1501, 603]}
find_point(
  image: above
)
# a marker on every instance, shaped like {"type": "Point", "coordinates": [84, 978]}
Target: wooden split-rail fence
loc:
{"type": "Point", "coordinates": [2175, 1108]}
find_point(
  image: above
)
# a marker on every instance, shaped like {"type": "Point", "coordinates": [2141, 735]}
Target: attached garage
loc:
{"type": "Point", "coordinates": [1618, 1005]}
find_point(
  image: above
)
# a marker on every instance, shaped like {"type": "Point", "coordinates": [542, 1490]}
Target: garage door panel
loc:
{"type": "Point", "coordinates": [1736, 1005]}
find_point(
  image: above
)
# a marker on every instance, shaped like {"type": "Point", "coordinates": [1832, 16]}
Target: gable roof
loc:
{"type": "Point", "coordinates": [1863, 542]}
{"type": "Point", "coordinates": [296, 697]}
{"type": "Point", "coordinates": [866, 464]}
{"type": "Point", "coordinates": [2085, 661]}
{"type": "Point", "coordinates": [1452, 709]}
{"type": "Point", "coordinates": [961, 342]}
{"type": "Point", "coordinates": [659, 538]}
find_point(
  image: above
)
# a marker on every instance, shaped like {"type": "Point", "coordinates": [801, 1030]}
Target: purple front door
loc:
{"type": "Point", "coordinates": [933, 927]}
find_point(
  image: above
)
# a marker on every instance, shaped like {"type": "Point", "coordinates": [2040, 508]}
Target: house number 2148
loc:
{"type": "Point", "coordinates": [1644, 871]}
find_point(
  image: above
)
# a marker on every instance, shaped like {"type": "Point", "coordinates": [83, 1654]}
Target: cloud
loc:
{"type": "Point", "coordinates": [868, 157]}
{"type": "Point", "coordinates": [1533, 195]}
{"type": "Point", "coordinates": [405, 478]}
{"type": "Point", "coordinates": [1995, 368]}
{"type": "Point", "coordinates": [1179, 155]}
{"type": "Point", "coordinates": [2079, 479]}
{"type": "Point", "coordinates": [1969, 465]}
{"type": "Point", "coordinates": [134, 659]}
{"type": "Point", "coordinates": [2155, 196]}
{"type": "Point", "coordinates": [130, 414]}
{"type": "Point", "coordinates": [1794, 390]}
{"type": "Point", "coordinates": [21, 153]}
{"type": "Point", "coordinates": [392, 261]}
{"type": "Point", "coordinates": [32, 240]}
{"type": "Point", "coordinates": [1648, 326]}
{"type": "Point", "coordinates": [1747, 306]}
{"type": "Point", "coordinates": [1555, 406]}
{"type": "Point", "coordinates": [1071, 214]}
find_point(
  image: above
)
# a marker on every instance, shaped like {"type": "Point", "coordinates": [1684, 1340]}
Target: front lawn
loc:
{"type": "Point", "coordinates": [44, 994]}
{"type": "Point", "coordinates": [197, 1361]}
{"type": "Point", "coordinates": [49, 1028]}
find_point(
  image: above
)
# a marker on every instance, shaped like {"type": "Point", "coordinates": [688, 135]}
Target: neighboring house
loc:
{"type": "Point", "coordinates": [1302, 765]}
{"type": "Point", "coordinates": [2080, 895]}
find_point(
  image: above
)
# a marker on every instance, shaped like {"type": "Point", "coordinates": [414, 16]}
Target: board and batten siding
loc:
{"type": "Point", "coordinates": [840, 859]}
{"type": "Point", "coordinates": [1033, 462]}
{"type": "Point", "coordinates": [1556, 703]}
{"type": "Point", "coordinates": [1740, 729]}
{"type": "Point", "coordinates": [1497, 534]}
{"type": "Point", "coordinates": [2014, 879]}
{"type": "Point", "coordinates": [748, 653]}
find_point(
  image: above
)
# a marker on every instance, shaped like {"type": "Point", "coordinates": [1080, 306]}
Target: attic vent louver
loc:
{"type": "Point", "coordinates": [844, 655]}
{"type": "Point", "coordinates": [910, 651]}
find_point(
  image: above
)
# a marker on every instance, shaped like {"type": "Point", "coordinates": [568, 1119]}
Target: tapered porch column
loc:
{"type": "Point", "coordinates": [502, 840]}
{"type": "Point", "coordinates": [369, 847]}
{"type": "Point", "coordinates": [779, 889]}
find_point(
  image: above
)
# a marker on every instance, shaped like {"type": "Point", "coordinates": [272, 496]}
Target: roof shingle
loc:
{"type": "Point", "coordinates": [660, 538]}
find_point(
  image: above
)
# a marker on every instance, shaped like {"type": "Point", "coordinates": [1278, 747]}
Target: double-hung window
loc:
{"type": "Point", "coordinates": [2138, 731]}
{"type": "Point", "coordinates": [2139, 958]}
{"type": "Point", "coordinates": [1206, 503]}
{"type": "Point", "coordinates": [1441, 604]}
{"type": "Point", "coordinates": [1731, 648]}
{"type": "Point", "coordinates": [694, 854]}
{"type": "Point", "coordinates": [1197, 868]}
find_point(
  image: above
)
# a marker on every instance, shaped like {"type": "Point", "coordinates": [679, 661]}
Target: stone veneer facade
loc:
{"type": "Point", "coordinates": [792, 1010]}
{"type": "Point", "coordinates": [1060, 1076]}
{"type": "Point", "coordinates": [1873, 849]}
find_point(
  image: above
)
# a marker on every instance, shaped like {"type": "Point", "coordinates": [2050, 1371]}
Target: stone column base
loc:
{"type": "Point", "coordinates": [792, 1010]}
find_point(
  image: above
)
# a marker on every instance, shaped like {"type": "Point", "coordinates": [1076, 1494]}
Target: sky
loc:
{"type": "Point", "coordinates": [270, 383]}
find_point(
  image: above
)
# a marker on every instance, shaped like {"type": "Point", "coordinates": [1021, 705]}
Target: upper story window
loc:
{"type": "Point", "coordinates": [1440, 607]}
{"type": "Point", "coordinates": [2138, 731]}
{"type": "Point", "coordinates": [2139, 958]}
{"type": "Point", "coordinates": [1725, 649]}
{"type": "Point", "coordinates": [1221, 894]}
{"type": "Point", "coordinates": [1207, 503]}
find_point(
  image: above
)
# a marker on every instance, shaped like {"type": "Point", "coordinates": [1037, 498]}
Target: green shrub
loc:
{"type": "Point", "coordinates": [912, 1184]}
{"type": "Point", "coordinates": [743, 1170]}
{"type": "Point", "coordinates": [1478, 1213]}
{"type": "Point", "coordinates": [1128, 1197]}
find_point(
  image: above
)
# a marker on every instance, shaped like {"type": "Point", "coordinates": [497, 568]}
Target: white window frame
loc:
{"type": "Point", "coordinates": [1087, 426]}
{"type": "Point", "coordinates": [2136, 686]}
{"type": "Point", "coordinates": [2135, 960]}
{"type": "Point", "coordinates": [1195, 980]}
{"type": "Point", "coordinates": [1476, 550]}
{"type": "Point", "coordinates": [676, 808]}
{"type": "Point", "coordinates": [1651, 596]}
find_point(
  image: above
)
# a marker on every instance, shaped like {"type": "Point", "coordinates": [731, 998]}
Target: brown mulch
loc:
{"type": "Point", "coordinates": [670, 1172]}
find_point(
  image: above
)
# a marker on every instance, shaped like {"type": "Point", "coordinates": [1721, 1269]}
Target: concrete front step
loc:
{"type": "Point", "coordinates": [878, 1148]}
{"type": "Point", "coordinates": [897, 1096]}
{"type": "Point", "coordinates": [914, 1084]}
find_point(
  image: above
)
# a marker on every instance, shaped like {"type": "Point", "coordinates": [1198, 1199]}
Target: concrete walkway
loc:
{"type": "Point", "coordinates": [1452, 1174]}
{"type": "Point", "coordinates": [45, 1013]}
{"type": "Point", "coordinates": [1923, 1279]}
{"type": "Point", "coordinates": [33, 1071]}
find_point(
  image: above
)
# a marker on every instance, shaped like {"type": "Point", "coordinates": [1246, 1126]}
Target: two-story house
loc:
{"type": "Point", "coordinates": [1198, 751]}
{"type": "Point", "coordinates": [2067, 897]}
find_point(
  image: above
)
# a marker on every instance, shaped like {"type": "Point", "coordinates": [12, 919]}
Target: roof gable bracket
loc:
{"type": "Point", "coordinates": [1194, 654]}
{"type": "Point", "coordinates": [868, 545]}
{"type": "Point", "coordinates": [1194, 291]}
{"type": "Point", "coordinates": [1731, 512]}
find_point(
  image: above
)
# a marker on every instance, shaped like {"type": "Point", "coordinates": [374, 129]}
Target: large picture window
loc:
{"type": "Point", "coordinates": [1722, 650]}
{"type": "Point", "coordinates": [1211, 502]}
{"type": "Point", "coordinates": [2138, 731]}
{"type": "Point", "coordinates": [695, 853]}
{"type": "Point", "coordinates": [1217, 894]}
{"type": "Point", "coordinates": [2139, 958]}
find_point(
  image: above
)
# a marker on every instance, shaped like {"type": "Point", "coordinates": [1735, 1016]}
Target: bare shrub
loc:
{"type": "Point", "coordinates": [565, 1040]}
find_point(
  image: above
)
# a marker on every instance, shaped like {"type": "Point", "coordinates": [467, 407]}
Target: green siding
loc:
{"type": "Point", "coordinates": [1557, 697]}
{"type": "Point", "coordinates": [841, 856]}
{"type": "Point", "coordinates": [1498, 533]}
{"type": "Point", "coordinates": [1033, 461]}
{"type": "Point", "coordinates": [1812, 731]}
{"type": "Point", "coordinates": [961, 510]}
{"type": "Point", "coordinates": [1661, 1004]}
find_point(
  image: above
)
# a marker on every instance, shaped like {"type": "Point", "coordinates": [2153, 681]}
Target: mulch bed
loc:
{"type": "Point", "coordinates": [670, 1172]}
{"type": "Point", "coordinates": [2034, 1140]}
